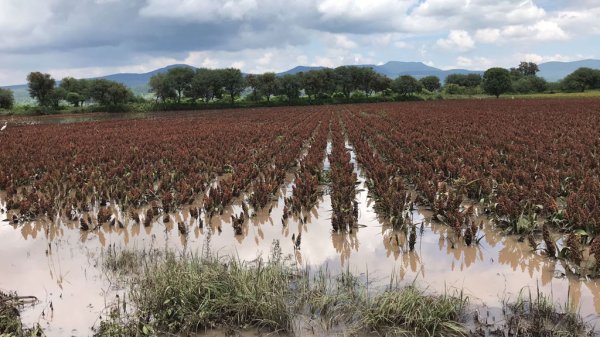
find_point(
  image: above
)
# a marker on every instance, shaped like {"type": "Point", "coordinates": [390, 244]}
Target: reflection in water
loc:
{"type": "Point", "coordinates": [56, 262]}
{"type": "Point", "coordinates": [344, 244]}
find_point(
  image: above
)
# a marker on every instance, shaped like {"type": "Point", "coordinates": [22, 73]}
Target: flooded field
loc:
{"type": "Point", "coordinates": [52, 258]}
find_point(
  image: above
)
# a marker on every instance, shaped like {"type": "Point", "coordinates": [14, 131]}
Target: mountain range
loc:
{"type": "Point", "coordinates": [551, 71]}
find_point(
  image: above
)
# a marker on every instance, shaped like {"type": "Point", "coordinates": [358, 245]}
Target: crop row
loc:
{"type": "Point", "coordinates": [529, 162]}
{"type": "Point", "coordinates": [169, 162]}
{"type": "Point", "coordinates": [343, 182]}
{"type": "Point", "coordinates": [305, 191]}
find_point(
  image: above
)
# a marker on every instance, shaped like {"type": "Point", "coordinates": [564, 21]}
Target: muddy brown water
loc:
{"type": "Point", "coordinates": [60, 265]}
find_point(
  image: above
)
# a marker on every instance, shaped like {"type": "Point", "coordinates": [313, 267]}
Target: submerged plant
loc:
{"type": "Point", "coordinates": [595, 249]}
{"type": "Point", "coordinates": [574, 249]}
{"type": "Point", "coordinates": [537, 315]}
{"type": "Point", "coordinates": [548, 241]}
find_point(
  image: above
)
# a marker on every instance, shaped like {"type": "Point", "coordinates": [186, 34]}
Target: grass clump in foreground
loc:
{"type": "Point", "coordinates": [184, 294]}
{"type": "Point", "coordinates": [408, 312]}
{"type": "Point", "coordinates": [10, 318]}
{"type": "Point", "coordinates": [538, 316]}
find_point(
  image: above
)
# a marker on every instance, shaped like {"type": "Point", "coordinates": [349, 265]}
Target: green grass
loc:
{"type": "Point", "coordinates": [537, 315]}
{"type": "Point", "coordinates": [585, 94]}
{"type": "Point", "coordinates": [170, 294]}
{"type": "Point", "coordinates": [561, 95]}
{"type": "Point", "coordinates": [409, 312]}
{"type": "Point", "coordinates": [185, 294]}
{"type": "Point", "coordinates": [10, 318]}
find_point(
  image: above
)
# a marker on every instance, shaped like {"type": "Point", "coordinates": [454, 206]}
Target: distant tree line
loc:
{"type": "Point", "coordinates": [43, 88]}
{"type": "Point", "coordinates": [206, 85]}
{"type": "Point", "coordinates": [187, 84]}
{"type": "Point", "coordinates": [345, 82]}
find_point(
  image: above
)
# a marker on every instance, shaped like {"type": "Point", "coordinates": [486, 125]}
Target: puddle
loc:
{"type": "Point", "coordinates": [56, 262]}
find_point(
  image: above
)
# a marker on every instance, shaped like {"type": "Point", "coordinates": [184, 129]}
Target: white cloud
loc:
{"type": "Point", "coordinates": [301, 59]}
{"type": "Point", "coordinates": [540, 31]}
{"type": "Point", "coordinates": [363, 10]}
{"type": "Point", "coordinates": [487, 35]}
{"type": "Point", "coordinates": [580, 22]}
{"type": "Point", "coordinates": [474, 63]}
{"type": "Point", "coordinates": [402, 45]}
{"type": "Point", "coordinates": [383, 40]}
{"type": "Point", "coordinates": [103, 36]}
{"type": "Point", "coordinates": [536, 58]}
{"type": "Point", "coordinates": [202, 11]}
{"type": "Point", "coordinates": [325, 62]}
{"type": "Point", "coordinates": [265, 59]}
{"type": "Point", "coordinates": [12, 19]}
{"type": "Point", "coordinates": [481, 13]}
{"type": "Point", "coordinates": [238, 64]}
{"type": "Point", "coordinates": [458, 40]}
{"type": "Point", "coordinates": [342, 41]}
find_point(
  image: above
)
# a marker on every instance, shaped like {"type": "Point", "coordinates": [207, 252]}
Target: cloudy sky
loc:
{"type": "Point", "coordinates": [84, 38]}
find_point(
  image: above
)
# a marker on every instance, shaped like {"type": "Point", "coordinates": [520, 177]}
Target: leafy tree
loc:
{"type": "Point", "coordinates": [581, 79]}
{"type": "Point", "coordinates": [161, 87]}
{"type": "Point", "coordinates": [58, 95]}
{"type": "Point", "coordinates": [496, 81]}
{"type": "Point", "coordinates": [217, 83]}
{"type": "Point", "coordinates": [528, 68]}
{"type": "Point", "coordinates": [406, 85]}
{"type": "Point", "coordinates": [70, 84]}
{"type": "Point", "coordinates": [345, 79]}
{"type": "Point", "coordinates": [202, 85]}
{"type": "Point", "coordinates": [324, 82]}
{"type": "Point", "coordinates": [267, 84]}
{"type": "Point", "coordinates": [180, 79]}
{"type": "Point", "coordinates": [119, 94]}
{"type": "Point", "coordinates": [254, 84]}
{"type": "Point", "coordinates": [329, 81]}
{"type": "Point", "coordinates": [572, 84]}
{"type": "Point", "coordinates": [364, 79]}
{"type": "Point", "coordinates": [529, 84]}
{"type": "Point", "coordinates": [290, 86]}
{"type": "Point", "coordinates": [382, 84]}
{"type": "Point", "coordinates": [464, 80]}
{"type": "Point", "coordinates": [105, 92]}
{"type": "Point", "coordinates": [515, 74]}
{"type": "Point", "coordinates": [524, 69]}
{"type": "Point", "coordinates": [553, 87]}
{"type": "Point", "coordinates": [454, 89]}
{"type": "Point", "coordinates": [75, 91]}
{"type": "Point", "coordinates": [41, 87]}
{"type": "Point", "coordinates": [314, 83]}
{"type": "Point", "coordinates": [7, 99]}
{"type": "Point", "coordinates": [431, 83]}
{"type": "Point", "coordinates": [74, 98]}
{"type": "Point", "coordinates": [232, 81]}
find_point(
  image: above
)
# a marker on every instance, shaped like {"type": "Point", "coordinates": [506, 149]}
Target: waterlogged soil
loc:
{"type": "Point", "coordinates": [91, 117]}
{"type": "Point", "coordinates": [61, 265]}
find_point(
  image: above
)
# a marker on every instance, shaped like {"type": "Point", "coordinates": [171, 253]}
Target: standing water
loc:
{"type": "Point", "coordinates": [61, 265]}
